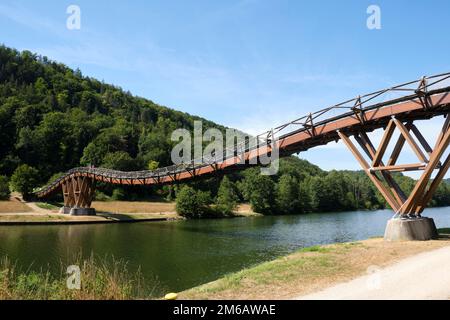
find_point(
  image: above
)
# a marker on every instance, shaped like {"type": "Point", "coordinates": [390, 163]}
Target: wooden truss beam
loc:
{"type": "Point", "coordinates": [398, 148]}
{"type": "Point", "coordinates": [423, 191]}
{"type": "Point", "coordinates": [415, 199]}
{"type": "Point", "coordinates": [384, 143]}
{"type": "Point", "coordinates": [405, 133]}
{"type": "Point", "coordinates": [375, 179]}
{"type": "Point", "coordinates": [401, 167]}
{"type": "Point", "coordinates": [370, 150]}
{"type": "Point", "coordinates": [433, 187]}
{"type": "Point", "coordinates": [422, 140]}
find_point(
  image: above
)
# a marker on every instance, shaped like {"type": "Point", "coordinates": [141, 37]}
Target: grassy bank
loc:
{"type": "Point", "coordinates": [101, 279]}
{"type": "Point", "coordinates": [125, 207]}
{"type": "Point", "coordinates": [310, 270]}
{"type": "Point", "coordinates": [13, 207]}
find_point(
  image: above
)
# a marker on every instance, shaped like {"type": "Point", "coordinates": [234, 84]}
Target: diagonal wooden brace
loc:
{"type": "Point", "coordinates": [377, 181]}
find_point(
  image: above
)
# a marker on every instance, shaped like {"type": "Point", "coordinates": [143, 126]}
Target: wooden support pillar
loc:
{"type": "Point", "coordinates": [78, 192]}
{"type": "Point", "coordinates": [423, 191]}
{"type": "Point", "coordinates": [69, 197]}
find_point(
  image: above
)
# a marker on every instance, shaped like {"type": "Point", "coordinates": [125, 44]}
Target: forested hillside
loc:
{"type": "Point", "coordinates": [53, 118]}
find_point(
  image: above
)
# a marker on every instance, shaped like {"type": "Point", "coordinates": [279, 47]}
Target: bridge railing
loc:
{"type": "Point", "coordinates": [377, 99]}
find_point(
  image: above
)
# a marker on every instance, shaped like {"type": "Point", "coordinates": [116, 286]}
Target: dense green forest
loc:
{"type": "Point", "coordinates": [53, 118]}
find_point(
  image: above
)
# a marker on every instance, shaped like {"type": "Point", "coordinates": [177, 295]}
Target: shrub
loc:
{"type": "Point", "coordinates": [55, 177]}
{"type": "Point", "coordinates": [227, 197]}
{"type": "Point", "coordinates": [4, 188]}
{"type": "Point", "coordinates": [24, 180]}
{"type": "Point", "coordinates": [100, 196]}
{"type": "Point", "coordinates": [118, 194]}
{"type": "Point", "coordinates": [152, 165]}
{"type": "Point", "coordinates": [193, 204]}
{"type": "Point", "coordinates": [259, 190]}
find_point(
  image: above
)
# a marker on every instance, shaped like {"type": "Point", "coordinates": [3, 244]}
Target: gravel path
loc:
{"type": "Point", "coordinates": [423, 276]}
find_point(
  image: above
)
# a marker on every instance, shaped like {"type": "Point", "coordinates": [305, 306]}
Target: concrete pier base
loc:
{"type": "Point", "coordinates": [419, 229]}
{"type": "Point", "coordinates": [82, 212]}
{"type": "Point", "coordinates": [65, 210]}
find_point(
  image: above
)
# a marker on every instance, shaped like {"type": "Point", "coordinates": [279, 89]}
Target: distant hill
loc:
{"type": "Point", "coordinates": [53, 118]}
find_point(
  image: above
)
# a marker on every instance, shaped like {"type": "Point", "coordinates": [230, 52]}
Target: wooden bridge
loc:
{"type": "Point", "coordinates": [395, 108]}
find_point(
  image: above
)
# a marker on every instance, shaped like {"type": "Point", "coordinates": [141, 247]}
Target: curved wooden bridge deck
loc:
{"type": "Point", "coordinates": [395, 108]}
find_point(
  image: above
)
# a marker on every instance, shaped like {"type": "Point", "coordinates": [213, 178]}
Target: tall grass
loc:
{"type": "Point", "coordinates": [101, 279]}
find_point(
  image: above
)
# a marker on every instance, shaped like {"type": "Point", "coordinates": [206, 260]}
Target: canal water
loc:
{"type": "Point", "coordinates": [183, 254]}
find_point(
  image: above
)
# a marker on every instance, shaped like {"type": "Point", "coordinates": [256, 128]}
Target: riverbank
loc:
{"type": "Point", "coordinates": [15, 212]}
{"type": "Point", "coordinates": [312, 269]}
{"type": "Point", "coordinates": [100, 218]}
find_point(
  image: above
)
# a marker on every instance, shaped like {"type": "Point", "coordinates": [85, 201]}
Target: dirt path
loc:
{"type": "Point", "coordinates": [36, 209]}
{"type": "Point", "coordinates": [423, 276]}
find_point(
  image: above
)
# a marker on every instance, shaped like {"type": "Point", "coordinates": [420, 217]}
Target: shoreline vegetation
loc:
{"type": "Point", "coordinates": [302, 272]}
{"type": "Point", "coordinates": [101, 279]}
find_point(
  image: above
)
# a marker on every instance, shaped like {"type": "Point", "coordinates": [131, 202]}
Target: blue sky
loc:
{"type": "Point", "coordinates": [248, 64]}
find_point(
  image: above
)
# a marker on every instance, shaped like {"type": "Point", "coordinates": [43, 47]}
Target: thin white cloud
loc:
{"type": "Point", "coordinates": [24, 17]}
